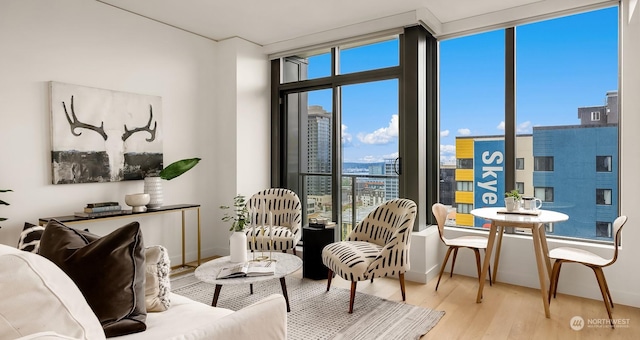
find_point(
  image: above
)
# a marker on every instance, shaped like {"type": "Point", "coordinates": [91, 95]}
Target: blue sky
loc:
{"type": "Point", "coordinates": [562, 64]}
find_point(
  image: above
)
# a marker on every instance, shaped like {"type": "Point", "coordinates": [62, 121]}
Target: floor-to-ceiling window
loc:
{"type": "Point", "coordinates": [341, 107]}
{"type": "Point", "coordinates": [350, 121]}
{"type": "Point", "coordinates": [553, 85]}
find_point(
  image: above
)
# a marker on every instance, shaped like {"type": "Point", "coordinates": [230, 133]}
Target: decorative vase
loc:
{"type": "Point", "coordinates": [153, 187]}
{"type": "Point", "coordinates": [238, 247]}
{"type": "Point", "coordinates": [510, 203]}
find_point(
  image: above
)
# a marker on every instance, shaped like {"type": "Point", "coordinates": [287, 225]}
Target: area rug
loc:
{"type": "Point", "coordinates": [318, 314]}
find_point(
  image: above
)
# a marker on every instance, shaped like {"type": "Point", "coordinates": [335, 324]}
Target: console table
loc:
{"type": "Point", "coordinates": [183, 208]}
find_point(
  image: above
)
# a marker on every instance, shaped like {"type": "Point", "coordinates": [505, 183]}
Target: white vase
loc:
{"type": "Point", "coordinates": [238, 247]}
{"type": "Point", "coordinates": [153, 187]}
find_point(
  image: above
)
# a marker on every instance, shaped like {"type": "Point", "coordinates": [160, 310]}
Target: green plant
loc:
{"type": "Point", "coordinates": [240, 215]}
{"type": "Point", "coordinates": [177, 168]}
{"type": "Point", "coordinates": [513, 193]}
{"type": "Point", "coordinates": [4, 203]}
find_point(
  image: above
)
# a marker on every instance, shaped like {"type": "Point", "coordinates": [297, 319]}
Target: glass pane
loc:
{"type": "Point", "coordinates": [369, 147]}
{"type": "Point", "coordinates": [317, 201]}
{"type": "Point", "coordinates": [306, 66]}
{"type": "Point", "coordinates": [472, 123]}
{"type": "Point", "coordinates": [370, 57]}
{"type": "Point", "coordinates": [311, 148]}
{"type": "Point", "coordinates": [567, 99]}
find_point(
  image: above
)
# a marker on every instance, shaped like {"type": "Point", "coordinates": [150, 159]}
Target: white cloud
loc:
{"type": "Point", "coordinates": [393, 155]}
{"type": "Point", "coordinates": [447, 154]}
{"type": "Point", "coordinates": [346, 137]}
{"type": "Point", "coordinates": [524, 127]}
{"type": "Point", "coordinates": [381, 135]}
{"type": "Point", "coordinates": [464, 132]}
{"type": "Point", "coordinates": [444, 133]}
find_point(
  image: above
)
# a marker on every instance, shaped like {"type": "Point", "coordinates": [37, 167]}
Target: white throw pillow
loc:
{"type": "Point", "coordinates": [37, 296]}
{"type": "Point", "coordinates": [158, 282]}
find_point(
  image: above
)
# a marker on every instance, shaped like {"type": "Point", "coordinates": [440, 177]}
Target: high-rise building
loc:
{"type": "Point", "coordinates": [318, 150]}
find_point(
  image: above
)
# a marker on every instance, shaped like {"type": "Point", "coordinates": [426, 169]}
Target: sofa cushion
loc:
{"type": "Point", "coordinates": [36, 296]}
{"type": "Point", "coordinates": [30, 237]}
{"type": "Point", "coordinates": [158, 283]}
{"type": "Point", "coordinates": [108, 270]}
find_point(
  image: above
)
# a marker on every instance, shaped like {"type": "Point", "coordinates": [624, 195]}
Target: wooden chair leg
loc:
{"type": "Point", "coordinates": [606, 286]}
{"type": "Point", "coordinates": [602, 282]}
{"type": "Point", "coordinates": [329, 277]}
{"type": "Point", "coordinates": [477, 252]}
{"type": "Point", "coordinates": [401, 278]}
{"type": "Point", "coordinates": [453, 262]}
{"type": "Point", "coordinates": [352, 297]}
{"type": "Point", "coordinates": [553, 284]}
{"type": "Point", "coordinates": [444, 263]}
{"type": "Point", "coordinates": [490, 279]}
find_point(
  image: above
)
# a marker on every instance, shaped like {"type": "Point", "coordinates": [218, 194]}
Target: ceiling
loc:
{"type": "Point", "coordinates": [276, 22]}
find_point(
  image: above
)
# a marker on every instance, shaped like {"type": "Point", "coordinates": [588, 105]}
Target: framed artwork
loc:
{"type": "Point", "coordinates": [103, 135]}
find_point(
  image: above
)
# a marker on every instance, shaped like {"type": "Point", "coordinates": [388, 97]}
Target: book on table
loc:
{"type": "Point", "coordinates": [101, 204]}
{"type": "Point", "coordinates": [262, 268]}
{"type": "Point", "coordinates": [101, 213]}
{"type": "Point", "coordinates": [103, 208]}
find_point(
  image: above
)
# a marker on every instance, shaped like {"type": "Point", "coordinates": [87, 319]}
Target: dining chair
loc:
{"type": "Point", "coordinates": [286, 211]}
{"type": "Point", "coordinates": [474, 243]}
{"type": "Point", "coordinates": [377, 247]}
{"type": "Point", "coordinates": [595, 262]}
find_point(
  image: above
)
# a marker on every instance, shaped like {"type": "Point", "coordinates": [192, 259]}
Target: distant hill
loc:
{"type": "Point", "coordinates": [351, 167]}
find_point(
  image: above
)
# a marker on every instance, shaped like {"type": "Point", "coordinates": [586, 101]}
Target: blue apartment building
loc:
{"type": "Point", "coordinates": [573, 170]}
{"type": "Point", "coordinates": [562, 156]}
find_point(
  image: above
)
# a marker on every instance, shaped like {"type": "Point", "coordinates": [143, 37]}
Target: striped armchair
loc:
{"type": "Point", "coordinates": [378, 246]}
{"type": "Point", "coordinates": [286, 209]}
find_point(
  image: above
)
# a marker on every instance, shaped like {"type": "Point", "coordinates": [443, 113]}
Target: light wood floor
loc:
{"type": "Point", "coordinates": [507, 311]}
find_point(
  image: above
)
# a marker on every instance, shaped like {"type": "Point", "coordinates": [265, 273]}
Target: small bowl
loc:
{"type": "Point", "coordinates": [137, 202]}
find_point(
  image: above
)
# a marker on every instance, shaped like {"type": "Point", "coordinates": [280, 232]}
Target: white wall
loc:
{"type": "Point", "coordinates": [91, 44]}
{"type": "Point", "coordinates": [242, 127]}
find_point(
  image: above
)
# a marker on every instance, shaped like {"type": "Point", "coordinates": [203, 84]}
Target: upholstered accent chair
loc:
{"type": "Point", "coordinates": [474, 243]}
{"type": "Point", "coordinates": [378, 246]}
{"type": "Point", "coordinates": [595, 262]}
{"type": "Point", "coordinates": [286, 211]}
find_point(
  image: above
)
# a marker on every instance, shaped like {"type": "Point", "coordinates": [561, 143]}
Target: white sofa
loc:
{"type": "Point", "coordinates": [39, 301]}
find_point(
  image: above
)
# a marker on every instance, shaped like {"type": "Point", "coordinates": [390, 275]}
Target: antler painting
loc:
{"type": "Point", "coordinates": [102, 135]}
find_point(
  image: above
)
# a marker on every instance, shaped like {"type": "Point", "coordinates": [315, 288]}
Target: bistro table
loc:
{"type": "Point", "coordinates": [533, 220]}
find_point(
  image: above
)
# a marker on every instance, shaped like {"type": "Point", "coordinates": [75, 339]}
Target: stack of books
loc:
{"type": "Point", "coordinates": [100, 209]}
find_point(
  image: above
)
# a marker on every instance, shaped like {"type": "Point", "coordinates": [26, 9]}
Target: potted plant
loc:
{"type": "Point", "coordinates": [153, 184]}
{"type": "Point", "coordinates": [4, 203]}
{"type": "Point", "coordinates": [240, 218]}
{"type": "Point", "coordinates": [512, 200]}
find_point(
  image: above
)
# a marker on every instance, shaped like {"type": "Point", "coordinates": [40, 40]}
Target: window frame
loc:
{"type": "Point", "coordinates": [543, 163]}
{"type": "Point", "coordinates": [604, 193]}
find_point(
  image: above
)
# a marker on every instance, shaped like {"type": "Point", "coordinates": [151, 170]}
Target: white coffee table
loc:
{"type": "Point", "coordinates": [285, 265]}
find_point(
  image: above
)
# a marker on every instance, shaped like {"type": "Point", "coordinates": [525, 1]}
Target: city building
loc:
{"type": "Point", "coordinates": [546, 163]}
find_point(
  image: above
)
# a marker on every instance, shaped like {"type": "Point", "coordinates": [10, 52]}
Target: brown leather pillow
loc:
{"type": "Point", "coordinates": [108, 270]}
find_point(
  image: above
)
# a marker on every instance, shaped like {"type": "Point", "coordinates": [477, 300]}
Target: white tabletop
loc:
{"type": "Point", "coordinates": [285, 265]}
{"type": "Point", "coordinates": [545, 216]}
